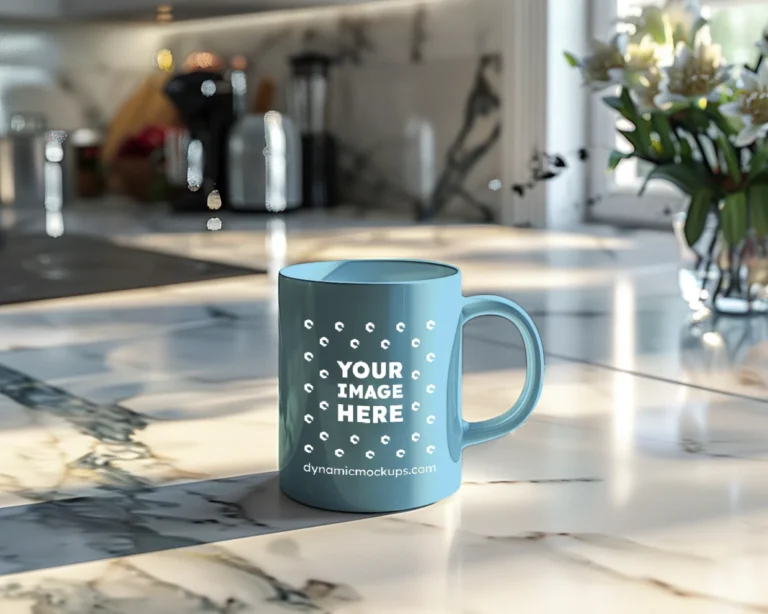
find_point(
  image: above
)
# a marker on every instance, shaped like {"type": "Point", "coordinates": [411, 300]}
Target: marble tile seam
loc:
{"type": "Point", "coordinates": [611, 368]}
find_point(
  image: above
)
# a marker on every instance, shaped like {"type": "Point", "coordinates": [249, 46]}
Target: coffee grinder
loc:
{"type": "Point", "coordinates": [308, 106]}
{"type": "Point", "coordinates": [205, 103]}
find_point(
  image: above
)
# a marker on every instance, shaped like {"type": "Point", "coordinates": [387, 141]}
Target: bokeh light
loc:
{"type": "Point", "coordinates": [164, 60]}
{"type": "Point", "coordinates": [214, 200]}
{"type": "Point", "coordinates": [239, 62]}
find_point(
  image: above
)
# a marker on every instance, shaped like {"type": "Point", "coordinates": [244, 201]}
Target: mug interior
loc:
{"type": "Point", "coordinates": [369, 271]}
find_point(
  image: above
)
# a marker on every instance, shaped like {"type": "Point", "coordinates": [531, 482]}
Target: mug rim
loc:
{"type": "Point", "coordinates": [292, 271]}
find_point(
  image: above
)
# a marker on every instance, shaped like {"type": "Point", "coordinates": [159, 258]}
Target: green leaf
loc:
{"type": "Point", "coordinates": [731, 158]}
{"type": "Point", "coordinates": [690, 178]}
{"type": "Point", "coordinates": [629, 108]}
{"type": "Point", "coordinates": [640, 138]}
{"type": "Point", "coordinates": [616, 158]}
{"type": "Point", "coordinates": [696, 219]}
{"type": "Point", "coordinates": [624, 105]}
{"type": "Point", "coordinates": [615, 103]}
{"type": "Point", "coordinates": [655, 24]}
{"type": "Point", "coordinates": [725, 124]}
{"type": "Point", "coordinates": [700, 23]}
{"type": "Point", "coordinates": [690, 116]}
{"type": "Point", "coordinates": [696, 119]}
{"type": "Point", "coordinates": [677, 108]}
{"type": "Point", "coordinates": [680, 35]}
{"type": "Point", "coordinates": [758, 165]}
{"type": "Point", "coordinates": [640, 143]}
{"type": "Point", "coordinates": [761, 177]}
{"type": "Point", "coordinates": [572, 59]}
{"type": "Point", "coordinates": [661, 125]}
{"type": "Point", "coordinates": [643, 129]}
{"type": "Point", "coordinates": [758, 208]}
{"type": "Point", "coordinates": [733, 218]}
{"type": "Point", "coordinates": [686, 151]}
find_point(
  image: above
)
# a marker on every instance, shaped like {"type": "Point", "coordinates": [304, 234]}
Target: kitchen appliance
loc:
{"type": "Point", "coordinates": [264, 157]}
{"type": "Point", "coordinates": [308, 100]}
{"type": "Point", "coordinates": [23, 160]}
{"type": "Point", "coordinates": [205, 103]}
{"type": "Point", "coordinates": [175, 150]}
{"type": "Point", "coordinates": [265, 164]}
{"type": "Point", "coordinates": [59, 172]}
{"type": "Point", "coordinates": [37, 165]}
{"type": "Point", "coordinates": [87, 148]}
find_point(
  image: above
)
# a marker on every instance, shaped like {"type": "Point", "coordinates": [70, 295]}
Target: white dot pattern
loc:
{"type": "Point", "coordinates": [325, 374]}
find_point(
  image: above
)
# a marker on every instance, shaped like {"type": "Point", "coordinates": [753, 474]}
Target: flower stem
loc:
{"type": "Point", "coordinates": [709, 256]}
{"type": "Point", "coordinates": [702, 151]}
{"type": "Point", "coordinates": [718, 287]}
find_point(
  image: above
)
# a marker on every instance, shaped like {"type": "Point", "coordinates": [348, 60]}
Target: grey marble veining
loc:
{"type": "Point", "coordinates": [115, 510]}
{"type": "Point", "coordinates": [413, 95]}
{"type": "Point", "coordinates": [467, 148]}
{"type": "Point", "coordinates": [127, 519]}
{"type": "Point", "coordinates": [107, 592]}
{"type": "Point", "coordinates": [138, 448]}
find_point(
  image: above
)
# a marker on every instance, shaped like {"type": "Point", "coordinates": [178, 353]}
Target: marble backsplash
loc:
{"type": "Point", "coordinates": [74, 74]}
{"type": "Point", "coordinates": [414, 96]}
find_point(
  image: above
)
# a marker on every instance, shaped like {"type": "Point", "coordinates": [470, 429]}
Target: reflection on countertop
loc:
{"type": "Point", "coordinates": [138, 439]}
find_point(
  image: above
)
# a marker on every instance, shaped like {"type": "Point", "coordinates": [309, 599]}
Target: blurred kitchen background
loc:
{"type": "Point", "coordinates": [456, 110]}
{"type": "Point", "coordinates": [393, 104]}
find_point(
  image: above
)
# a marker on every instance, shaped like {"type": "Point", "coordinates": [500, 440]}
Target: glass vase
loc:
{"type": "Point", "coordinates": [730, 281]}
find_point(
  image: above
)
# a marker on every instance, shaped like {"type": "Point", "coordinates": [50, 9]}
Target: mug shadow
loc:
{"type": "Point", "coordinates": [110, 523]}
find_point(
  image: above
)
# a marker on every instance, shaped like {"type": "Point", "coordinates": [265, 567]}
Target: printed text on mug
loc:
{"type": "Point", "coordinates": [370, 413]}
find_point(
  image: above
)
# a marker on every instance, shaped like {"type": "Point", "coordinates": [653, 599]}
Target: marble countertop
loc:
{"type": "Point", "coordinates": [138, 440]}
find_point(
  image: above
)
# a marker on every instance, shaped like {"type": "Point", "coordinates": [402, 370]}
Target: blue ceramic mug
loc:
{"type": "Point", "coordinates": [370, 382]}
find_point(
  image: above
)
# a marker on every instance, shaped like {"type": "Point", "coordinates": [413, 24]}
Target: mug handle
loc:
{"type": "Point", "coordinates": [476, 307]}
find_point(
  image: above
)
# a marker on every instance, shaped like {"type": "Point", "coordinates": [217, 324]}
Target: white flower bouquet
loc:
{"type": "Point", "coordinates": [701, 123]}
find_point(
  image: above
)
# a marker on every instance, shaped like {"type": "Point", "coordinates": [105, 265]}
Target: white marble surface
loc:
{"type": "Point", "coordinates": [138, 442]}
